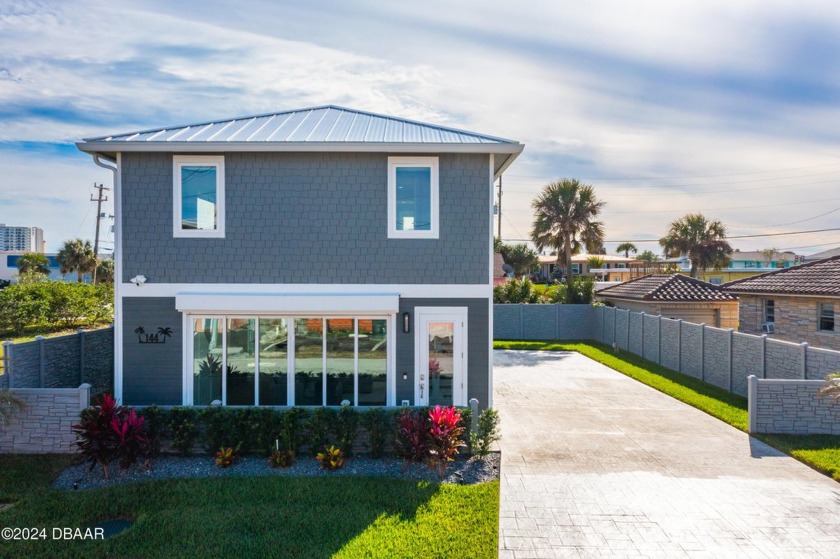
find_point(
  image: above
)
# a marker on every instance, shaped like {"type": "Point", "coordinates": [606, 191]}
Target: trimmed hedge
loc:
{"type": "Point", "coordinates": [259, 430]}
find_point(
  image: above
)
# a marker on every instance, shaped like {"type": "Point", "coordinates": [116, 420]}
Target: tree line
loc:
{"type": "Point", "coordinates": [75, 255]}
{"type": "Point", "coordinates": [566, 220]}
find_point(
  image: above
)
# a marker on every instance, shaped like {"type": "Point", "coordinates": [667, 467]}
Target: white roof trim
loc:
{"type": "Point", "coordinates": [258, 303]}
{"type": "Point", "coordinates": [221, 147]}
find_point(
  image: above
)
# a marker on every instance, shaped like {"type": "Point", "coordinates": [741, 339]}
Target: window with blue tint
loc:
{"type": "Point", "coordinates": [199, 196]}
{"type": "Point", "coordinates": [413, 197]}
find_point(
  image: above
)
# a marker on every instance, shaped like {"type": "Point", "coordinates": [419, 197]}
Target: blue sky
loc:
{"type": "Point", "coordinates": [729, 108]}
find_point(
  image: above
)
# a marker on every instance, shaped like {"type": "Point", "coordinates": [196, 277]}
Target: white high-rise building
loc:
{"type": "Point", "coordinates": [27, 239]}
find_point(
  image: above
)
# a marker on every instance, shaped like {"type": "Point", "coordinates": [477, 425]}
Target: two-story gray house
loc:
{"type": "Point", "coordinates": [311, 257]}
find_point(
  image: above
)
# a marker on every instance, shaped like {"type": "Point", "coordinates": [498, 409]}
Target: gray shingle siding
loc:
{"type": "Point", "coordinates": [306, 218]}
{"type": "Point", "coordinates": [151, 372]}
{"type": "Point", "coordinates": [478, 347]}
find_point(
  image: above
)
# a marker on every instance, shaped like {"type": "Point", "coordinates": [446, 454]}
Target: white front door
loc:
{"type": "Point", "coordinates": [440, 356]}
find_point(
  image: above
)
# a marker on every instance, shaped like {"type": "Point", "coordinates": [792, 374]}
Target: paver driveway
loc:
{"type": "Point", "coordinates": [596, 464]}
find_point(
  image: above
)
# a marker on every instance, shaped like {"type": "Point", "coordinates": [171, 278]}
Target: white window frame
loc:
{"type": "Point", "coordinates": [433, 164]}
{"type": "Point", "coordinates": [179, 161]}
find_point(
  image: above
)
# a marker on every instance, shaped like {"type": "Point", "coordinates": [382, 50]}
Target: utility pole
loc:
{"type": "Point", "coordinates": [99, 199]}
{"type": "Point", "coordinates": [500, 209]}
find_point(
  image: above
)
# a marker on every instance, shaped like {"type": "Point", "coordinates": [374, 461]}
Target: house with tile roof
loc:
{"type": "Point", "coordinates": [796, 304]}
{"type": "Point", "coordinates": [313, 257]}
{"type": "Point", "coordinates": [675, 296]}
{"type": "Point", "coordinates": [613, 268]}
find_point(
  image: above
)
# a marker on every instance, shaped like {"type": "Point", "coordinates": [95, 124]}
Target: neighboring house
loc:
{"type": "Point", "coordinates": [675, 296]}
{"type": "Point", "coordinates": [796, 304]}
{"type": "Point", "coordinates": [742, 264]}
{"type": "Point", "coordinates": [9, 268]}
{"type": "Point", "coordinates": [309, 257]}
{"type": "Point", "coordinates": [613, 269]}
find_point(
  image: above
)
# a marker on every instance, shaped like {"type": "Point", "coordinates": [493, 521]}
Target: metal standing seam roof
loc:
{"type": "Point", "coordinates": [667, 288]}
{"type": "Point", "coordinates": [818, 278]}
{"type": "Point", "coordinates": [326, 128]}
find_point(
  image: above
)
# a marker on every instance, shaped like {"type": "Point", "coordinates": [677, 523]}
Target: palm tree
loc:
{"type": "Point", "coordinates": [76, 255]}
{"type": "Point", "coordinates": [139, 331]}
{"type": "Point", "coordinates": [702, 240]}
{"type": "Point", "coordinates": [33, 263]}
{"type": "Point", "coordinates": [520, 257]}
{"type": "Point", "coordinates": [626, 248]}
{"type": "Point", "coordinates": [105, 271]}
{"type": "Point", "coordinates": [649, 256]}
{"type": "Point", "coordinates": [564, 219]}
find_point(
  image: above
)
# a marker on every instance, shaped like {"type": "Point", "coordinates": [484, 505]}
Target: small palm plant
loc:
{"type": "Point", "coordinates": [832, 386]}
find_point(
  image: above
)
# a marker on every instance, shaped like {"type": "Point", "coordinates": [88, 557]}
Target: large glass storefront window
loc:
{"type": "Point", "coordinates": [331, 361]}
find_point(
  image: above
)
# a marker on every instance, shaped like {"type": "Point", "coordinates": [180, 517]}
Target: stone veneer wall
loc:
{"type": "Point", "coordinates": [795, 319]}
{"type": "Point", "coordinates": [44, 424]}
{"type": "Point", "coordinates": [791, 407]}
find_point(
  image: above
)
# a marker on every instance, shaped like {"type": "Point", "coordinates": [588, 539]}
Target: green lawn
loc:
{"type": "Point", "coordinates": [253, 516]}
{"type": "Point", "coordinates": [821, 452]}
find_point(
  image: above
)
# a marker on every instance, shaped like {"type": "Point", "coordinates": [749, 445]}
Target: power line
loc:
{"type": "Point", "coordinates": [689, 176]}
{"type": "Point", "coordinates": [727, 237]}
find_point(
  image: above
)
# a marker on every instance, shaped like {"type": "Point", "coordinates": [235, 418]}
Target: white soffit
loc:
{"type": "Point", "coordinates": [258, 303]}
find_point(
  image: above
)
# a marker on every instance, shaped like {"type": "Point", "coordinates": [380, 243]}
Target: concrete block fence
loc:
{"type": "Point", "coordinates": [61, 362]}
{"type": "Point", "coordinates": [791, 407]}
{"type": "Point", "coordinates": [44, 424]}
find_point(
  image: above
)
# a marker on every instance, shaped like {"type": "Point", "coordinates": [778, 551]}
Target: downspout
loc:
{"type": "Point", "coordinates": [98, 161]}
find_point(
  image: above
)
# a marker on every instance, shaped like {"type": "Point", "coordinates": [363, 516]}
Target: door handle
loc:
{"type": "Point", "coordinates": [421, 390]}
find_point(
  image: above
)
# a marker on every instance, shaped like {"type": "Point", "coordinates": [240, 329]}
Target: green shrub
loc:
{"type": "Point", "coordinates": [291, 429]}
{"type": "Point", "coordinates": [221, 429]}
{"type": "Point", "coordinates": [347, 428]}
{"type": "Point", "coordinates": [516, 291]}
{"type": "Point", "coordinates": [153, 418]}
{"type": "Point", "coordinates": [582, 291]}
{"type": "Point", "coordinates": [256, 429]}
{"type": "Point", "coordinates": [182, 428]}
{"type": "Point", "coordinates": [320, 426]}
{"type": "Point", "coordinates": [380, 425]}
{"type": "Point", "coordinates": [486, 433]}
{"type": "Point", "coordinates": [21, 306]}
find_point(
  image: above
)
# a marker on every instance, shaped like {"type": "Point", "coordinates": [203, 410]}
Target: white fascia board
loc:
{"type": "Point", "coordinates": [105, 147]}
{"type": "Point", "coordinates": [286, 303]}
{"type": "Point", "coordinates": [431, 291]}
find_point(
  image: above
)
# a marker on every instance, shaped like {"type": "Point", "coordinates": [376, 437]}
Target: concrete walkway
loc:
{"type": "Point", "coordinates": [595, 464]}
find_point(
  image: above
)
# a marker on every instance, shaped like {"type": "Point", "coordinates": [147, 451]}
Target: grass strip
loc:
{"type": "Point", "coordinates": [253, 516]}
{"type": "Point", "coordinates": [821, 452]}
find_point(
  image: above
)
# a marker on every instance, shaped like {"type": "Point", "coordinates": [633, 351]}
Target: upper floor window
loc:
{"type": "Point", "coordinates": [199, 196]}
{"type": "Point", "coordinates": [826, 318]}
{"type": "Point", "coordinates": [769, 310]}
{"type": "Point", "coordinates": [413, 198]}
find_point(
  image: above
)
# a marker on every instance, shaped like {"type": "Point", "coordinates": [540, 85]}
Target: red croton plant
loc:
{"type": "Point", "coordinates": [434, 438]}
{"type": "Point", "coordinates": [109, 432]}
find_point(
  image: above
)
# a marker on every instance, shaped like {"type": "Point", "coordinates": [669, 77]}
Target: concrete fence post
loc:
{"type": "Point", "coordinates": [473, 415]}
{"type": "Point", "coordinates": [729, 352]}
{"type": "Point", "coordinates": [703, 352]}
{"type": "Point", "coordinates": [81, 334]}
{"type": "Point", "coordinates": [521, 322]}
{"type": "Point", "coordinates": [752, 403]}
{"type": "Point", "coordinates": [659, 340]}
{"type": "Point", "coordinates": [764, 356]}
{"type": "Point", "coordinates": [804, 360]}
{"type": "Point", "coordinates": [84, 396]}
{"type": "Point", "coordinates": [642, 349]}
{"type": "Point", "coordinates": [614, 314]}
{"type": "Point", "coordinates": [627, 337]}
{"type": "Point", "coordinates": [679, 345]}
{"type": "Point", "coordinates": [7, 362]}
{"type": "Point", "coordinates": [42, 365]}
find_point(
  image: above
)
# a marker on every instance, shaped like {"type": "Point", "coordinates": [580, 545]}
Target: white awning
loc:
{"type": "Point", "coordinates": [257, 303]}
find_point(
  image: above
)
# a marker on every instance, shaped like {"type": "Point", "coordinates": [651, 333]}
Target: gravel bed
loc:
{"type": "Point", "coordinates": [462, 471]}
